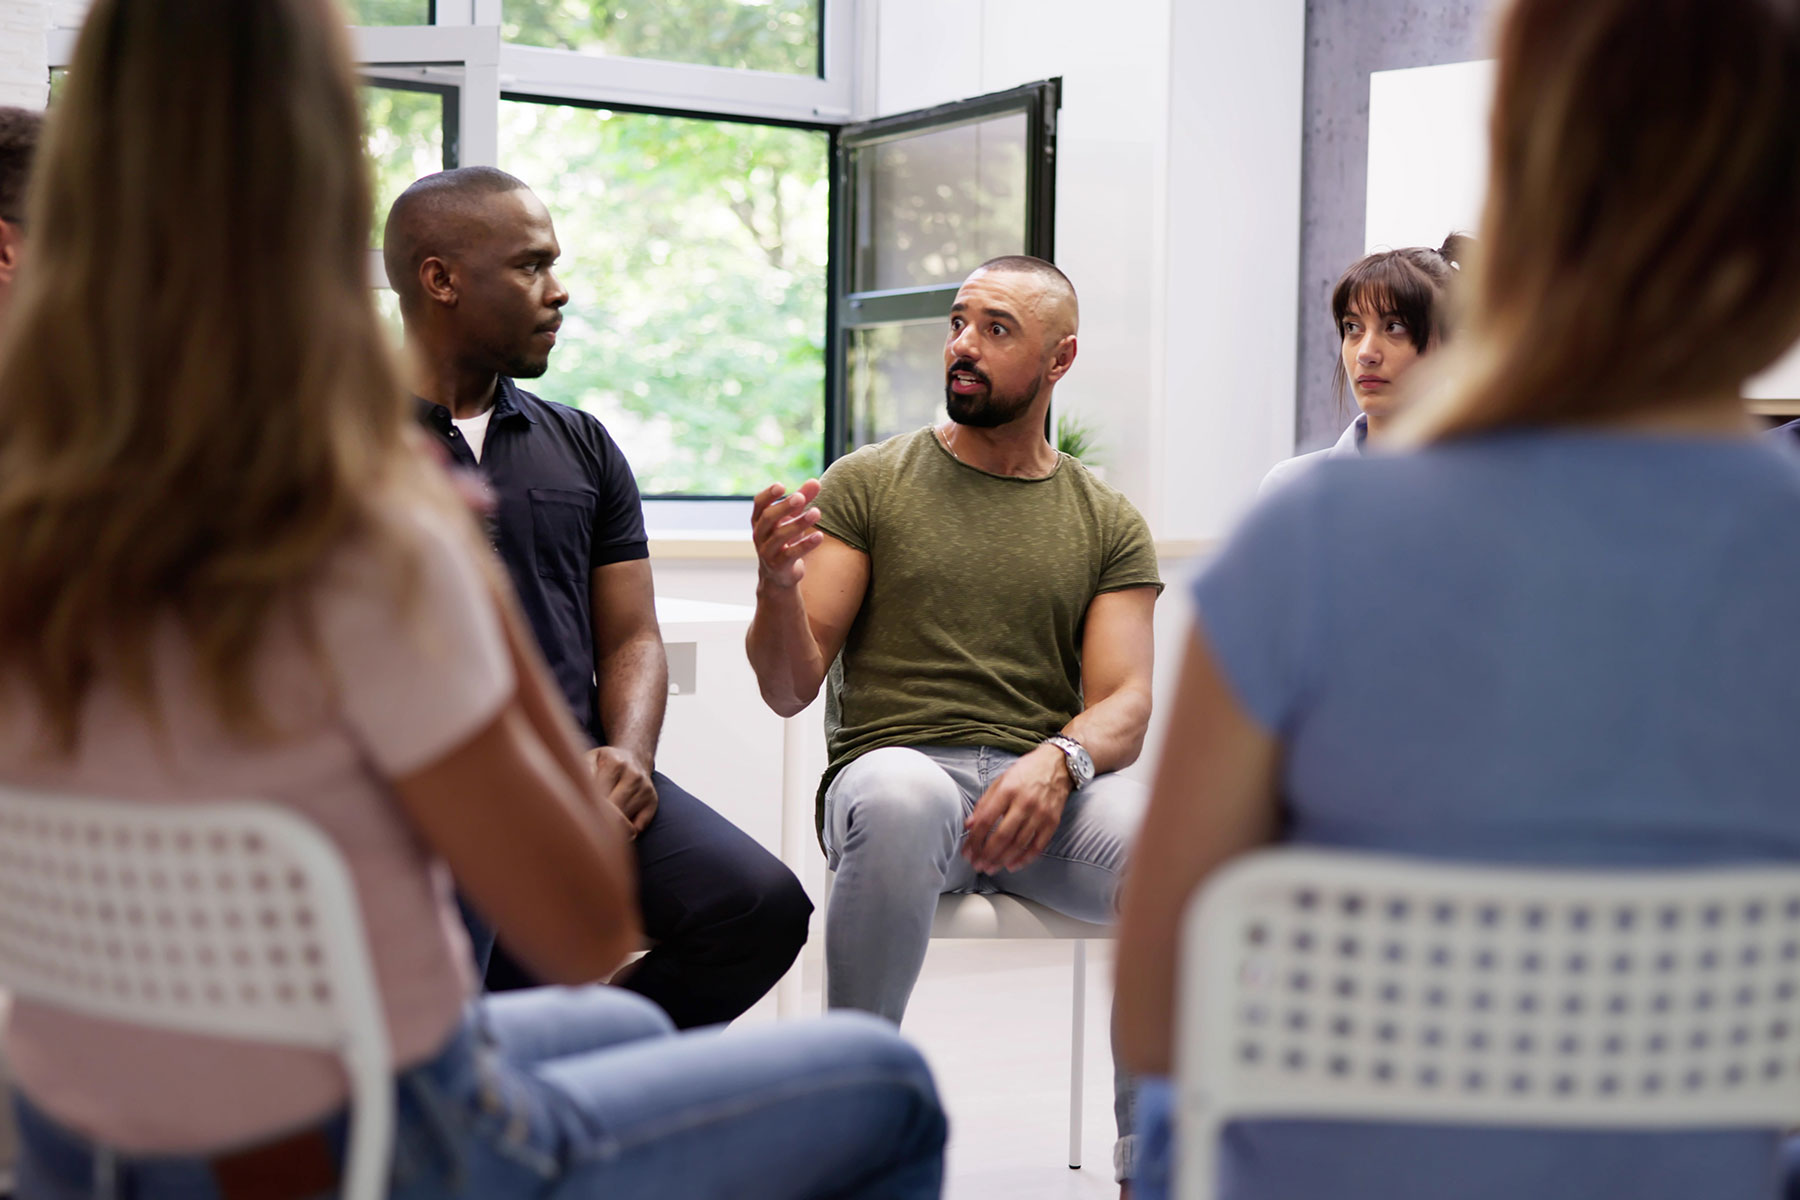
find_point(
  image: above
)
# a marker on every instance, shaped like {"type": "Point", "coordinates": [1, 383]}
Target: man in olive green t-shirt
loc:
{"type": "Point", "coordinates": [979, 606]}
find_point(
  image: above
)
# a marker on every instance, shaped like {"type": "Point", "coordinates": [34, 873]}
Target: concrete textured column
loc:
{"type": "Point", "coordinates": [24, 57]}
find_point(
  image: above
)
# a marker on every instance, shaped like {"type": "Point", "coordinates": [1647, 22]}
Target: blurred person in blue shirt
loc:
{"type": "Point", "coordinates": [1561, 630]}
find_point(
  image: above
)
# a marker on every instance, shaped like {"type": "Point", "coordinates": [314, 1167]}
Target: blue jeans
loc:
{"type": "Point", "coordinates": [893, 833]}
{"type": "Point", "coordinates": [587, 1092]}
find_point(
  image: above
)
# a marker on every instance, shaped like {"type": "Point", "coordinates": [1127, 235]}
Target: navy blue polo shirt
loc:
{"type": "Point", "coordinates": [1789, 433]}
{"type": "Point", "coordinates": [566, 505]}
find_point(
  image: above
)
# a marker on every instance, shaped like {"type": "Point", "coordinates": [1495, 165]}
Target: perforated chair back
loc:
{"type": "Point", "coordinates": [230, 919]}
{"type": "Point", "coordinates": [1359, 987]}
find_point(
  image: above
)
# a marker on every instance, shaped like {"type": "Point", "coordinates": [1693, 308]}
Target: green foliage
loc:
{"type": "Point", "coordinates": [1077, 438]}
{"type": "Point", "coordinates": [694, 253]}
{"type": "Point", "coordinates": [760, 35]}
{"type": "Point", "coordinates": [388, 12]}
{"type": "Point", "coordinates": [404, 139]}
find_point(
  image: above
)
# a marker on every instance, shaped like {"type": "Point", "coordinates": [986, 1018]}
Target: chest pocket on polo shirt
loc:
{"type": "Point", "coordinates": [562, 532]}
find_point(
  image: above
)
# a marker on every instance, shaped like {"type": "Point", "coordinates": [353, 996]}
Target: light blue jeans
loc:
{"type": "Point", "coordinates": [893, 833]}
{"type": "Point", "coordinates": [559, 1093]}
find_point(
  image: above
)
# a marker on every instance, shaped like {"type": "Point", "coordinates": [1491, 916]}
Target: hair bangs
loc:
{"type": "Point", "coordinates": [1390, 286]}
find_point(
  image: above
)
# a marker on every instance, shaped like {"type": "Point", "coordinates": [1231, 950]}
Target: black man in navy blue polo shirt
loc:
{"type": "Point", "coordinates": [470, 253]}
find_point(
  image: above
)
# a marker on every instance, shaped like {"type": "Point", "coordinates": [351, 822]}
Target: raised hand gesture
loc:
{"type": "Point", "coordinates": [781, 524]}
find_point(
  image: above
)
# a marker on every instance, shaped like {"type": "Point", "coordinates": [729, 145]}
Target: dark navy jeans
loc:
{"type": "Point", "coordinates": [727, 917]}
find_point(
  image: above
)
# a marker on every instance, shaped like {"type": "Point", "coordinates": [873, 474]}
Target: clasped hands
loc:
{"type": "Point", "coordinates": [1015, 818]}
{"type": "Point", "coordinates": [622, 785]}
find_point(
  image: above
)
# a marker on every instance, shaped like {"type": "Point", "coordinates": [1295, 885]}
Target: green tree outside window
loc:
{"type": "Point", "coordinates": [694, 252]}
{"type": "Point", "coordinates": [757, 35]}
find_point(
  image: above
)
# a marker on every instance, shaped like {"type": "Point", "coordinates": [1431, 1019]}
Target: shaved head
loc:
{"type": "Point", "coordinates": [440, 216]}
{"type": "Point", "coordinates": [471, 254]}
{"type": "Point", "coordinates": [1057, 307]}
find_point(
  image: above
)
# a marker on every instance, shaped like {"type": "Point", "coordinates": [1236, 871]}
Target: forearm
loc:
{"type": "Point", "coordinates": [634, 694]}
{"type": "Point", "coordinates": [782, 650]}
{"type": "Point", "coordinates": [1112, 729]}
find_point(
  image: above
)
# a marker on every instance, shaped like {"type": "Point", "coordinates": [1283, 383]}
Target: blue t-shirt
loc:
{"type": "Point", "coordinates": [1560, 648]}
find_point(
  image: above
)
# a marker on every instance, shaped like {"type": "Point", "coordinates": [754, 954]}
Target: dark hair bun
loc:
{"type": "Point", "coordinates": [1456, 250]}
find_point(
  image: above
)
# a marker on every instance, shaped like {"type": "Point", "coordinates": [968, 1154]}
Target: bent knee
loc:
{"type": "Point", "coordinates": [899, 787]}
{"type": "Point", "coordinates": [872, 1042]}
{"type": "Point", "coordinates": [630, 1013]}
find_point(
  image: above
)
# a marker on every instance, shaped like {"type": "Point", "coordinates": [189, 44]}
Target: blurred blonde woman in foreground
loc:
{"type": "Point", "coordinates": [1562, 631]}
{"type": "Point", "coordinates": [230, 572]}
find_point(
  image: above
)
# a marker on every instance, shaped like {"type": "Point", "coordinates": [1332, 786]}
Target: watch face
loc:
{"type": "Point", "coordinates": [1081, 763]}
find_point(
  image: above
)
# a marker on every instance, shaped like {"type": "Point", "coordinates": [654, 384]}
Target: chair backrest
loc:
{"type": "Point", "coordinates": [229, 919]}
{"type": "Point", "coordinates": [1330, 985]}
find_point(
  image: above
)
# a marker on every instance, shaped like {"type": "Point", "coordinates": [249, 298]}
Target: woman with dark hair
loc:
{"type": "Point", "coordinates": [1390, 309]}
{"type": "Point", "coordinates": [230, 571]}
{"type": "Point", "coordinates": [1560, 630]}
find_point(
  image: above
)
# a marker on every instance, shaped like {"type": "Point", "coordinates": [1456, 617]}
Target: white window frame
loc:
{"type": "Point", "coordinates": [465, 34]}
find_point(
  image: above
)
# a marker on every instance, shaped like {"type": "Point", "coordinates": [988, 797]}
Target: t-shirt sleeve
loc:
{"type": "Point", "coordinates": [1131, 558]}
{"type": "Point", "coordinates": [422, 670]}
{"type": "Point", "coordinates": [846, 499]}
{"type": "Point", "coordinates": [619, 510]}
{"type": "Point", "coordinates": [1258, 603]}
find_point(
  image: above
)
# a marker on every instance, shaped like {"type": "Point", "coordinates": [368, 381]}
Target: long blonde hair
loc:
{"type": "Point", "coordinates": [1640, 245]}
{"type": "Point", "coordinates": [197, 404]}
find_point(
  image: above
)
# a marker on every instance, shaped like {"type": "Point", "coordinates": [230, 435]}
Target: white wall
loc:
{"type": "Point", "coordinates": [1233, 254]}
{"type": "Point", "coordinates": [24, 61]}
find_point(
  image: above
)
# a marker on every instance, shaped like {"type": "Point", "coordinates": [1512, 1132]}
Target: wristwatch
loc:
{"type": "Point", "coordinates": [1076, 758]}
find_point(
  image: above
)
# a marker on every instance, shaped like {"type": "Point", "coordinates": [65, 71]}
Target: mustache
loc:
{"type": "Point", "coordinates": [967, 367]}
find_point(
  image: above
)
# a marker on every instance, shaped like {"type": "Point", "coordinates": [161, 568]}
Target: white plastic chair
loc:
{"type": "Point", "coordinates": [1369, 988]}
{"type": "Point", "coordinates": [980, 917]}
{"type": "Point", "coordinates": [230, 919]}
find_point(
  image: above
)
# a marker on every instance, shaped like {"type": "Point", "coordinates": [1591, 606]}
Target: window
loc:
{"type": "Point", "coordinates": [410, 132]}
{"type": "Point", "coordinates": [757, 284]}
{"type": "Point", "coordinates": [758, 35]}
{"type": "Point", "coordinates": [390, 12]}
{"type": "Point", "coordinates": [931, 196]}
{"type": "Point", "coordinates": [694, 252]}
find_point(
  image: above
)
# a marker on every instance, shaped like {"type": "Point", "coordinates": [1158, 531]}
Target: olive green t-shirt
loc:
{"type": "Point", "coordinates": [979, 586]}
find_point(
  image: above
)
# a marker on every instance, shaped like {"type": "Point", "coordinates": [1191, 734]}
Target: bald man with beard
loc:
{"type": "Point", "coordinates": [471, 254]}
{"type": "Point", "coordinates": [979, 606]}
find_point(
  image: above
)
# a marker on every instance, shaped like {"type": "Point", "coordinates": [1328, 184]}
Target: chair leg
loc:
{"type": "Point", "coordinates": [1077, 1053]}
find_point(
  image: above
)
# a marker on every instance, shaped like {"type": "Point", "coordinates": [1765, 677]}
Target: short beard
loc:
{"type": "Point", "coordinates": [990, 410]}
{"type": "Point", "coordinates": [523, 366]}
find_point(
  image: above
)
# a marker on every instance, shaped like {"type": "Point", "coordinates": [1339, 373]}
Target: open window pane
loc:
{"type": "Point", "coordinates": [389, 12]}
{"type": "Point", "coordinates": [929, 196]}
{"type": "Point", "coordinates": [403, 136]}
{"type": "Point", "coordinates": [694, 253]}
{"type": "Point", "coordinates": [896, 379]}
{"type": "Point", "coordinates": [935, 205]}
{"type": "Point", "coordinates": [758, 35]}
